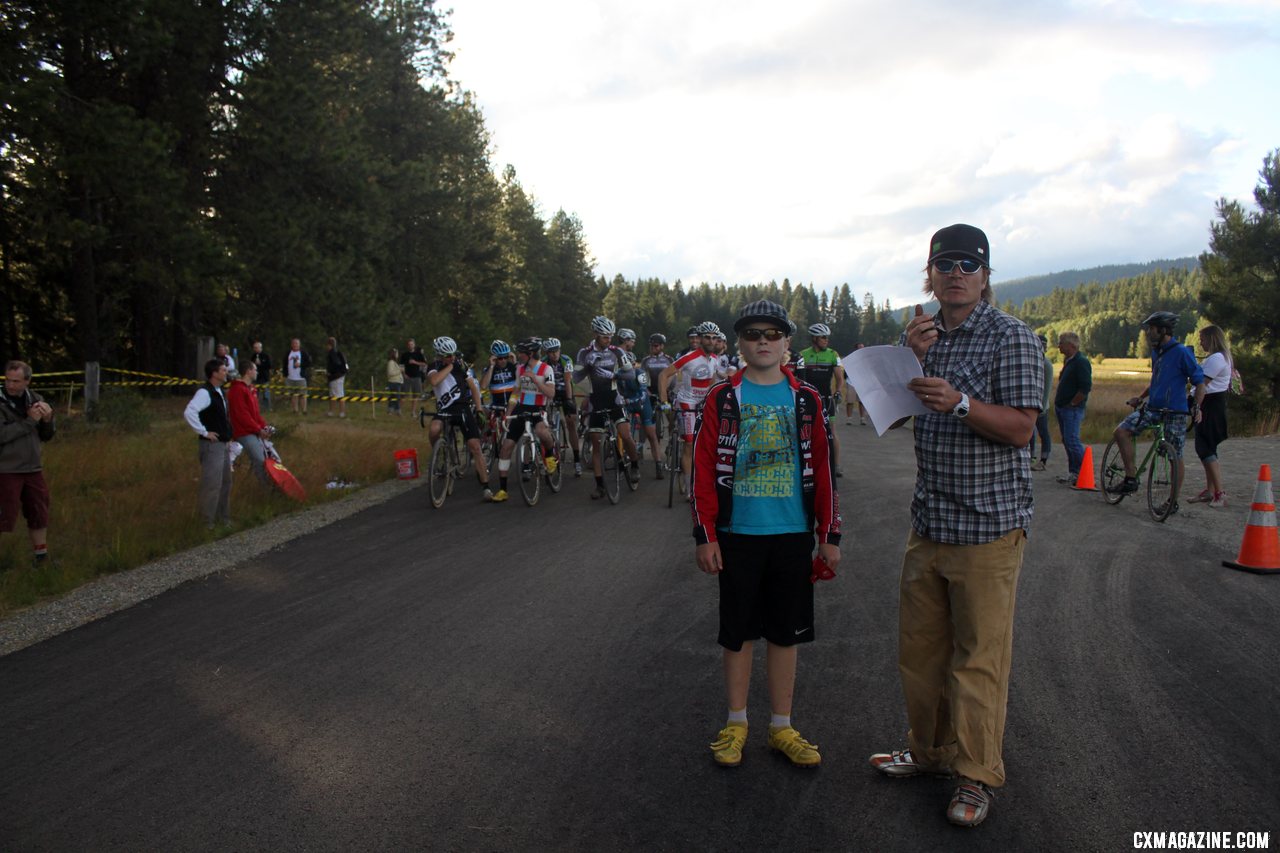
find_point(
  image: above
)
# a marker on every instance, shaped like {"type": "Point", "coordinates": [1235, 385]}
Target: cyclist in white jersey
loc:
{"type": "Point", "coordinates": [535, 388]}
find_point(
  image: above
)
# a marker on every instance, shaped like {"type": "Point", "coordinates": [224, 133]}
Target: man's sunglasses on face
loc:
{"type": "Point", "coordinates": [967, 265]}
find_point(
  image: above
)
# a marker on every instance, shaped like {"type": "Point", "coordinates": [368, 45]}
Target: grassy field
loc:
{"type": "Point", "coordinates": [121, 498]}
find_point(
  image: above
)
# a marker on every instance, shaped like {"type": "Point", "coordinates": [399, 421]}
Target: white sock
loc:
{"type": "Point", "coordinates": [739, 716]}
{"type": "Point", "coordinates": [780, 721]}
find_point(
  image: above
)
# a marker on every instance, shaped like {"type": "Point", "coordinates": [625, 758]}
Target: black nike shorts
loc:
{"type": "Point", "coordinates": [765, 589]}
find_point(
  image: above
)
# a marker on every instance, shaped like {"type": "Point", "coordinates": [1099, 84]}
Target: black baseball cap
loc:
{"type": "Point", "coordinates": [960, 241]}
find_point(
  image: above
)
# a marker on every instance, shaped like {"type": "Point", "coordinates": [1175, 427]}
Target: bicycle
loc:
{"type": "Point", "coordinates": [559, 431]}
{"type": "Point", "coordinates": [1162, 481]}
{"type": "Point", "coordinates": [491, 435]}
{"type": "Point", "coordinates": [614, 462]}
{"type": "Point", "coordinates": [533, 466]}
{"type": "Point", "coordinates": [450, 459]}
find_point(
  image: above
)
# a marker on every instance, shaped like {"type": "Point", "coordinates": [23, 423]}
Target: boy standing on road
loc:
{"type": "Point", "coordinates": [763, 489]}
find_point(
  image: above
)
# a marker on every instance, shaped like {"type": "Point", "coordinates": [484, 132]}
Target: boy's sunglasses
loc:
{"type": "Point", "coordinates": [967, 266]}
{"type": "Point", "coordinates": [757, 334]}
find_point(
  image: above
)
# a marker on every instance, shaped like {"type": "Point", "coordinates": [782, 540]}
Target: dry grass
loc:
{"type": "Point", "coordinates": [121, 500]}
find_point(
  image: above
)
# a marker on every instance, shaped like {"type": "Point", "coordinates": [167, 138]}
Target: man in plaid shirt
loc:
{"type": "Point", "coordinates": [983, 384]}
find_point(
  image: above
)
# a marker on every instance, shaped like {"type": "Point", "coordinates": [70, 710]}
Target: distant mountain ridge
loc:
{"type": "Point", "coordinates": [1020, 290]}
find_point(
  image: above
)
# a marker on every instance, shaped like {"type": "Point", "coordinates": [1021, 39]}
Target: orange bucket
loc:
{"type": "Point", "coordinates": [407, 464]}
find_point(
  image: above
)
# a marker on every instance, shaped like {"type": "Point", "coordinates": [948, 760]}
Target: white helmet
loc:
{"type": "Point", "coordinates": [820, 330]}
{"type": "Point", "coordinates": [603, 326]}
{"type": "Point", "coordinates": [626, 335]}
{"type": "Point", "coordinates": [550, 343]}
{"type": "Point", "coordinates": [708, 328]}
{"type": "Point", "coordinates": [445, 345]}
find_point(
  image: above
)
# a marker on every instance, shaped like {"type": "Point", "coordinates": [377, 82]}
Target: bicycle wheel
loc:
{"type": "Point", "coordinates": [611, 466]}
{"type": "Point", "coordinates": [561, 441]}
{"type": "Point", "coordinates": [527, 453]}
{"type": "Point", "coordinates": [1112, 474]}
{"type": "Point", "coordinates": [629, 467]}
{"type": "Point", "coordinates": [1162, 482]}
{"type": "Point", "coordinates": [440, 473]}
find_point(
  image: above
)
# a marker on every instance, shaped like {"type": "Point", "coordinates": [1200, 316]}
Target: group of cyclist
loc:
{"type": "Point", "coordinates": [527, 381]}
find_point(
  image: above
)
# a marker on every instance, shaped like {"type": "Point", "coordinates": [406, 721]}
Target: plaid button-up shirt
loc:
{"type": "Point", "coordinates": [969, 490]}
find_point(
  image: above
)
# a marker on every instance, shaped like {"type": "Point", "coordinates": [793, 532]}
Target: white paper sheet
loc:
{"type": "Point", "coordinates": [880, 376]}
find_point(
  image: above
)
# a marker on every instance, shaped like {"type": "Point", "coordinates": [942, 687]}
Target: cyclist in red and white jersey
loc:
{"type": "Point", "coordinates": [535, 387]}
{"type": "Point", "coordinates": [698, 370]}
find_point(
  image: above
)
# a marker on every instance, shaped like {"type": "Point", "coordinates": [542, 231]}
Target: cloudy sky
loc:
{"type": "Point", "coordinates": [741, 141]}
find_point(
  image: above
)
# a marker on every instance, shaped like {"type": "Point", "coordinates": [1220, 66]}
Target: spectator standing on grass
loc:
{"type": "Point", "coordinates": [208, 415]}
{"type": "Point", "coordinates": [982, 384]}
{"type": "Point", "coordinates": [247, 425]}
{"type": "Point", "coordinates": [336, 369]}
{"type": "Point", "coordinates": [1074, 384]}
{"type": "Point", "coordinates": [414, 361]}
{"type": "Point", "coordinates": [297, 370]}
{"type": "Point", "coordinates": [1211, 429]}
{"type": "Point", "coordinates": [395, 381]}
{"type": "Point", "coordinates": [1042, 422]}
{"type": "Point", "coordinates": [262, 361]}
{"type": "Point", "coordinates": [26, 422]}
{"type": "Point", "coordinates": [221, 353]}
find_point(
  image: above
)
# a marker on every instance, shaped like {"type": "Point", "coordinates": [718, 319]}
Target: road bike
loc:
{"type": "Point", "coordinates": [614, 462]}
{"type": "Point", "coordinates": [1162, 460]}
{"type": "Point", "coordinates": [491, 435]}
{"type": "Point", "coordinates": [533, 465]}
{"type": "Point", "coordinates": [672, 457]}
{"type": "Point", "coordinates": [450, 459]}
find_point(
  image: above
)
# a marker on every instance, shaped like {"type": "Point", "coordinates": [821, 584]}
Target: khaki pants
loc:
{"type": "Point", "coordinates": [955, 646]}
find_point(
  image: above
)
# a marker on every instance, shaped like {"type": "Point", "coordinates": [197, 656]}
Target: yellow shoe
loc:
{"type": "Point", "coordinates": [499, 496]}
{"type": "Point", "coordinates": [789, 743]}
{"type": "Point", "coordinates": [551, 464]}
{"type": "Point", "coordinates": [727, 747]}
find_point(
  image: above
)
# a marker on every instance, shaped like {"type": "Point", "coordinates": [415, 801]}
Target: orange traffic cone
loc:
{"type": "Point", "coordinates": [1260, 550]}
{"type": "Point", "coordinates": [1084, 479]}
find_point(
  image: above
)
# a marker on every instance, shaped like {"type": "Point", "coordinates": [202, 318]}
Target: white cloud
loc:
{"type": "Point", "coordinates": [740, 141]}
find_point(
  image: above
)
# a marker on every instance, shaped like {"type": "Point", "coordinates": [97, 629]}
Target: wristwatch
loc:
{"type": "Point", "coordinates": [962, 408]}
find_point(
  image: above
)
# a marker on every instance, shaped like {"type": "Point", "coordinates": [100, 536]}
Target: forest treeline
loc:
{"type": "Point", "coordinates": [269, 169]}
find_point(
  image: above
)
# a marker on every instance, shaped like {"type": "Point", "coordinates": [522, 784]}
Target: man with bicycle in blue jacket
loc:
{"type": "Point", "coordinates": [1173, 366]}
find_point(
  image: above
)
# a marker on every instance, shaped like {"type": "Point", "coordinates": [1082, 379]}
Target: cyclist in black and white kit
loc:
{"type": "Point", "coordinates": [457, 399]}
{"type": "Point", "coordinates": [599, 361]}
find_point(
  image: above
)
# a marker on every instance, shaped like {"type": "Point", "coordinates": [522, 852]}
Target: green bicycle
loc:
{"type": "Point", "coordinates": [1162, 460]}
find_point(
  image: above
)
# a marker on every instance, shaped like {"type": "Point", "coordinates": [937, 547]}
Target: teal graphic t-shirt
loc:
{"type": "Point", "coordinates": [766, 476]}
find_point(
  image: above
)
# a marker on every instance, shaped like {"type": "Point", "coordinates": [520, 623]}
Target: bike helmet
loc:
{"type": "Point", "coordinates": [551, 344]}
{"type": "Point", "coordinates": [707, 328]}
{"type": "Point", "coordinates": [445, 345]}
{"type": "Point", "coordinates": [719, 335]}
{"type": "Point", "coordinates": [603, 326]}
{"type": "Point", "coordinates": [820, 330]}
{"type": "Point", "coordinates": [529, 346]}
{"type": "Point", "coordinates": [501, 349]}
{"type": "Point", "coordinates": [1163, 319]}
{"type": "Point", "coordinates": [657, 338]}
{"type": "Point", "coordinates": [626, 360]}
{"type": "Point", "coordinates": [764, 311]}
{"type": "Point", "coordinates": [692, 333]}
{"type": "Point", "coordinates": [626, 335]}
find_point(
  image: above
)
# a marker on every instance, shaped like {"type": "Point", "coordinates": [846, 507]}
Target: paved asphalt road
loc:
{"type": "Point", "coordinates": [504, 678]}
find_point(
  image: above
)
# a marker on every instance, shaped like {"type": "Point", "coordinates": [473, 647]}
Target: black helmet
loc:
{"type": "Point", "coordinates": [692, 333]}
{"type": "Point", "coordinates": [1162, 319]}
{"type": "Point", "coordinates": [657, 338]}
{"type": "Point", "coordinates": [529, 346]}
{"type": "Point", "coordinates": [764, 311]}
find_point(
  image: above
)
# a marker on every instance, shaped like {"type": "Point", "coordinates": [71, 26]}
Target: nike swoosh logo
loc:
{"type": "Point", "coordinates": [802, 630]}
